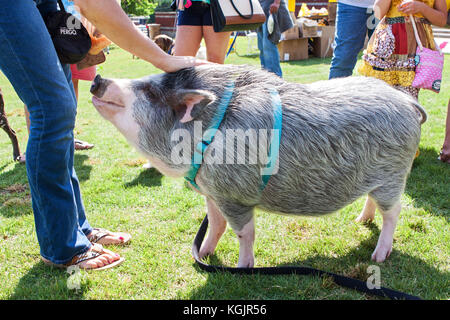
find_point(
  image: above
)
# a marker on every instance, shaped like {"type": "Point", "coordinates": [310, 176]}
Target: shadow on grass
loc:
{"type": "Point", "coordinates": [83, 171]}
{"type": "Point", "coordinates": [18, 175]}
{"type": "Point", "coordinates": [429, 183]}
{"type": "Point", "coordinates": [399, 272]}
{"type": "Point", "coordinates": [46, 283]}
{"type": "Point", "coordinates": [149, 178]}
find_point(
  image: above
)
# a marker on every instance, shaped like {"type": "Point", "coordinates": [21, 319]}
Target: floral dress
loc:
{"type": "Point", "coordinates": [390, 54]}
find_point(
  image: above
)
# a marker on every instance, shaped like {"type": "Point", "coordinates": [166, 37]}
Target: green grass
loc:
{"type": "Point", "coordinates": [163, 216]}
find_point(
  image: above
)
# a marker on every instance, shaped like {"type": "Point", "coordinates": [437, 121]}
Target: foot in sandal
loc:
{"type": "Point", "coordinates": [106, 237]}
{"type": "Point", "coordinates": [96, 258]}
{"type": "Point", "coordinates": [82, 145]}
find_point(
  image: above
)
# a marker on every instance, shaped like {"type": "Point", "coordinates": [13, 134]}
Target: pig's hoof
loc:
{"type": "Point", "coordinates": [205, 251]}
{"type": "Point", "coordinates": [248, 263]}
{"type": "Point", "coordinates": [364, 219]}
{"type": "Point", "coordinates": [381, 253]}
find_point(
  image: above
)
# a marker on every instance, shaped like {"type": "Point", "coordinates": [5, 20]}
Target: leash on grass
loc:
{"type": "Point", "coordinates": [338, 279]}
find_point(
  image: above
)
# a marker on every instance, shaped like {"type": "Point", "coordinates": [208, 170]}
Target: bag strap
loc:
{"type": "Point", "coordinates": [239, 13]}
{"type": "Point", "coordinates": [338, 279]}
{"type": "Point", "coordinates": [61, 6]}
{"type": "Point", "coordinates": [416, 35]}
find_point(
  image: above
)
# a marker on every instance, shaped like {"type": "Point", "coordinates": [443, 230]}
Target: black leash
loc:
{"type": "Point", "coordinates": [338, 279]}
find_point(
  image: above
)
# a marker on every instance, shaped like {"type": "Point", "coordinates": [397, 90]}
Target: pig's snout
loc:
{"type": "Point", "coordinates": [98, 86]}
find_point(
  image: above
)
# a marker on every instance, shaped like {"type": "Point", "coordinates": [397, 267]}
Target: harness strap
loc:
{"type": "Point", "coordinates": [268, 171]}
{"type": "Point", "coordinates": [338, 279]}
{"type": "Point", "coordinates": [209, 134]}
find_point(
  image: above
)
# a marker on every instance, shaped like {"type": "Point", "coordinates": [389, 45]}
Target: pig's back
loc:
{"type": "Point", "coordinates": [341, 140]}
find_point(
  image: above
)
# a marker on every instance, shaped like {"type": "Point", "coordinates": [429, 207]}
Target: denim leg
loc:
{"type": "Point", "coordinates": [351, 30]}
{"type": "Point", "coordinates": [268, 52]}
{"type": "Point", "coordinates": [29, 61]}
{"type": "Point", "coordinates": [82, 220]}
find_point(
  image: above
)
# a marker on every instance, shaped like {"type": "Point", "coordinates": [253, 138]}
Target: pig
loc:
{"type": "Point", "coordinates": [340, 139]}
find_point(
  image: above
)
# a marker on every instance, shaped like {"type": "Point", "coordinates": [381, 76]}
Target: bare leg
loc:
{"type": "Point", "coordinates": [384, 245]}
{"type": "Point", "coordinates": [368, 212]}
{"type": "Point", "coordinates": [216, 44]}
{"type": "Point", "coordinates": [187, 40]}
{"type": "Point", "coordinates": [445, 153]}
{"type": "Point", "coordinates": [217, 226]}
{"type": "Point", "coordinates": [75, 87]}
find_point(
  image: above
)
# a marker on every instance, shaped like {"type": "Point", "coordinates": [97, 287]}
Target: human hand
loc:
{"type": "Point", "coordinates": [175, 63]}
{"type": "Point", "coordinates": [274, 7]}
{"type": "Point", "coordinates": [411, 7]}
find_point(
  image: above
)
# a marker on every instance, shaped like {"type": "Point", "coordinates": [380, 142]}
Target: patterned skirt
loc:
{"type": "Point", "coordinates": [390, 54]}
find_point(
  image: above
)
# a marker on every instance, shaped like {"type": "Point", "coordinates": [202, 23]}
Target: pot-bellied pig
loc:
{"type": "Point", "coordinates": [340, 139]}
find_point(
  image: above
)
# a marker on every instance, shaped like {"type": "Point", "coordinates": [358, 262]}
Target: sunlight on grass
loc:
{"type": "Point", "coordinates": [163, 215]}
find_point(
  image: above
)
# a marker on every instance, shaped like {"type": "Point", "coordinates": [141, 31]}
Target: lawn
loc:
{"type": "Point", "coordinates": [163, 215]}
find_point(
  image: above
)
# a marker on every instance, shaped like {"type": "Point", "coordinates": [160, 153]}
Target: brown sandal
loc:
{"type": "Point", "coordinates": [444, 157]}
{"type": "Point", "coordinates": [95, 251]}
{"type": "Point", "coordinates": [98, 234]}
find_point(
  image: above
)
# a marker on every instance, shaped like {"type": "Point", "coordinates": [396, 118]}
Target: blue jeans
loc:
{"type": "Point", "coordinates": [268, 52]}
{"type": "Point", "coordinates": [351, 29]}
{"type": "Point", "coordinates": [28, 59]}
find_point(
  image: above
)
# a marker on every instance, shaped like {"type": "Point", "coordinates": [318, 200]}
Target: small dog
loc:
{"type": "Point", "coordinates": [5, 126]}
{"type": "Point", "coordinates": [167, 44]}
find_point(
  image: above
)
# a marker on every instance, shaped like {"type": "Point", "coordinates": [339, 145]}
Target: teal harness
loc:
{"type": "Point", "coordinates": [209, 134]}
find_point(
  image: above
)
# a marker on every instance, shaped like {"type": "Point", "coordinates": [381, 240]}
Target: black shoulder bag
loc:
{"type": "Point", "coordinates": [70, 38]}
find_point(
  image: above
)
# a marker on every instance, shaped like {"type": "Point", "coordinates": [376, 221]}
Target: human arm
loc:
{"type": "Point", "coordinates": [110, 19]}
{"type": "Point", "coordinates": [381, 7]}
{"type": "Point", "coordinates": [436, 15]}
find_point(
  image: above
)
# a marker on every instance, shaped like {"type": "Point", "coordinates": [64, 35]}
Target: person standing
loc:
{"type": "Point", "coordinates": [29, 60]}
{"type": "Point", "coordinates": [194, 24]}
{"type": "Point", "coordinates": [391, 52]}
{"type": "Point", "coordinates": [354, 21]}
{"type": "Point", "coordinates": [268, 39]}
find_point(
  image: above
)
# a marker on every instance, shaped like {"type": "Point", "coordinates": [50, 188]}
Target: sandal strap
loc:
{"type": "Point", "coordinates": [95, 251]}
{"type": "Point", "coordinates": [99, 234]}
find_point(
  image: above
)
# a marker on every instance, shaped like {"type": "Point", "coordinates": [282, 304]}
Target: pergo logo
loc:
{"type": "Point", "coordinates": [68, 31]}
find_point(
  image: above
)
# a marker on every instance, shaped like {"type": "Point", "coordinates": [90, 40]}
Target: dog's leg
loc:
{"type": "Point", "coordinates": [384, 245]}
{"type": "Point", "coordinates": [5, 126]}
{"type": "Point", "coordinates": [368, 212]}
{"type": "Point", "coordinates": [217, 226]}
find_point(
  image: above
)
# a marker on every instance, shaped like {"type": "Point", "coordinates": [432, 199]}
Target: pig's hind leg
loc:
{"type": "Point", "coordinates": [217, 226]}
{"type": "Point", "coordinates": [390, 208]}
{"type": "Point", "coordinates": [368, 212]}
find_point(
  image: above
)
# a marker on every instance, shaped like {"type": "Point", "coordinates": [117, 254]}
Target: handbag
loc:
{"type": "Point", "coordinates": [233, 15]}
{"type": "Point", "coordinates": [429, 65]}
{"type": "Point", "coordinates": [70, 38]}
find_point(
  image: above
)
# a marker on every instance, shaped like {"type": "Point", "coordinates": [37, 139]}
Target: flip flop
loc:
{"type": "Point", "coordinates": [98, 236]}
{"type": "Point", "coordinates": [95, 251]}
{"type": "Point", "coordinates": [82, 145]}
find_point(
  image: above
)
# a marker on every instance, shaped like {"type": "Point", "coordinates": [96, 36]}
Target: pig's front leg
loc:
{"type": "Point", "coordinates": [246, 238]}
{"type": "Point", "coordinates": [241, 221]}
{"type": "Point", "coordinates": [217, 226]}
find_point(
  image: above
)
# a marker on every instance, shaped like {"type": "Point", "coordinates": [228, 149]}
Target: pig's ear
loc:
{"type": "Point", "coordinates": [190, 103]}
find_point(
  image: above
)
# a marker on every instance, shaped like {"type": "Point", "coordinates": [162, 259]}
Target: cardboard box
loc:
{"type": "Point", "coordinates": [322, 46]}
{"type": "Point", "coordinates": [294, 49]}
{"type": "Point", "coordinates": [308, 28]}
{"type": "Point", "coordinates": [292, 33]}
{"type": "Point", "coordinates": [332, 8]}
